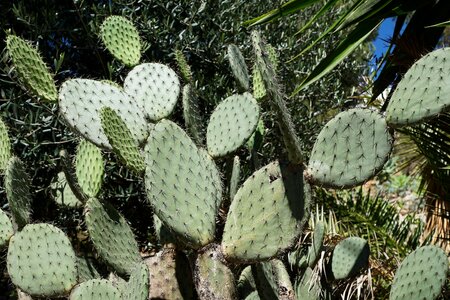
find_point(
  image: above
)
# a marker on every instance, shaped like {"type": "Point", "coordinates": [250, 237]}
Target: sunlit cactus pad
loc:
{"type": "Point", "coordinates": [121, 38]}
{"type": "Point", "coordinates": [30, 68]}
{"type": "Point", "coordinates": [41, 261]}
{"type": "Point", "coordinates": [121, 140]}
{"type": "Point", "coordinates": [112, 236]}
{"type": "Point", "coordinates": [89, 168]}
{"type": "Point", "coordinates": [181, 185]}
{"type": "Point", "coordinates": [17, 186]}
{"type": "Point", "coordinates": [349, 257]}
{"type": "Point", "coordinates": [5, 147]}
{"type": "Point", "coordinates": [95, 289]}
{"type": "Point", "coordinates": [267, 213]}
{"type": "Point", "coordinates": [350, 149]}
{"type": "Point", "coordinates": [63, 193]}
{"type": "Point", "coordinates": [421, 275]}
{"type": "Point", "coordinates": [155, 87]}
{"type": "Point", "coordinates": [238, 67]}
{"type": "Point", "coordinates": [6, 229]}
{"type": "Point", "coordinates": [231, 124]}
{"type": "Point", "coordinates": [424, 91]}
{"type": "Point", "coordinates": [137, 286]}
{"type": "Point", "coordinates": [80, 101]}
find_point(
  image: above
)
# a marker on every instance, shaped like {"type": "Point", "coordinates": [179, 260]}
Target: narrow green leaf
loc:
{"type": "Point", "coordinates": [443, 24]}
{"type": "Point", "coordinates": [323, 10]}
{"type": "Point", "coordinates": [366, 10]}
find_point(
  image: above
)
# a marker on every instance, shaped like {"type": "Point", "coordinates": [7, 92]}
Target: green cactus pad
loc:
{"type": "Point", "coordinates": [86, 269]}
{"type": "Point", "coordinates": [17, 186]}
{"type": "Point", "coordinates": [5, 147]}
{"type": "Point", "coordinates": [63, 193]}
{"type": "Point", "coordinates": [421, 275]}
{"type": "Point", "coordinates": [267, 213]}
{"type": "Point", "coordinates": [155, 87]}
{"type": "Point", "coordinates": [6, 229]}
{"type": "Point", "coordinates": [231, 124]}
{"type": "Point", "coordinates": [316, 245]}
{"type": "Point", "coordinates": [31, 69]}
{"type": "Point", "coordinates": [350, 149]}
{"type": "Point", "coordinates": [121, 38]}
{"type": "Point", "coordinates": [192, 115]}
{"type": "Point", "coordinates": [308, 288]}
{"type": "Point", "coordinates": [89, 168]}
{"type": "Point", "coordinates": [95, 289]}
{"type": "Point", "coordinates": [121, 140]}
{"type": "Point", "coordinates": [424, 91]}
{"type": "Point", "coordinates": [137, 287]}
{"type": "Point", "coordinates": [259, 90]}
{"type": "Point", "coordinates": [238, 67]}
{"type": "Point", "coordinates": [182, 184]}
{"type": "Point", "coordinates": [183, 66]}
{"type": "Point", "coordinates": [214, 280]}
{"type": "Point", "coordinates": [349, 257]}
{"type": "Point", "coordinates": [272, 280]}
{"type": "Point", "coordinates": [41, 261]}
{"type": "Point", "coordinates": [246, 283]}
{"type": "Point", "coordinates": [80, 101]}
{"type": "Point", "coordinates": [170, 276]}
{"type": "Point", "coordinates": [255, 142]}
{"type": "Point", "coordinates": [112, 236]}
{"type": "Point", "coordinates": [235, 177]}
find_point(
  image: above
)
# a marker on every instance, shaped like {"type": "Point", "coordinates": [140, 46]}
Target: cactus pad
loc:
{"type": "Point", "coordinates": [424, 91]}
{"type": "Point", "coordinates": [89, 168]}
{"type": "Point", "coordinates": [95, 289]}
{"type": "Point", "coordinates": [121, 140]}
{"type": "Point", "coordinates": [80, 101]}
{"type": "Point", "coordinates": [308, 287]}
{"type": "Point", "coordinates": [238, 67]}
{"type": "Point", "coordinates": [86, 269]}
{"type": "Point", "coordinates": [316, 245]}
{"type": "Point", "coordinates": [349, 257]}
{"type": "Point", "coordinates": [155, 87]}
{"type": "Point", "coordinates": [267, 213]}
{"type": "Point", "coordinates": [182, 184]}
{"type": "Point", "coordinates": [192, 115]}
{"type": "Point", "coordinates": [183, 66]}
{"type": "Point", "coordinates": [5, 146]}
{"type": "Point", "coordinates": [121, 38]}
{"type": "Point", "coordinates": [350, 149]}
{"type": "Point", "coordinates": [6, 229]}
{"type": "Point", "coordinates": [235, 177]}
{"type": "Point", "coordinates": [137, 287]}
{"type": "Point", "coordinates": [231, 124]}
{"type": "Point", "coordinates": [17, 186]}
{"type": "Point", "coordinates": [112, 236]}
{"type": "Point", "coordinates": [63, 193]}
{"type": "Point", "coordinates": [272, 280]}
{"type": "Point", "coordinates": [31, 68]}
{"type": "Point", "coordinates": [41, 261]}
{"type": "Point", "coordinates": [421, 275]}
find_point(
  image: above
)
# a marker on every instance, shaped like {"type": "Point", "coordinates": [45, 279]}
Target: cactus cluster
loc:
{"type": "Point", "coordinates": [205, 244]}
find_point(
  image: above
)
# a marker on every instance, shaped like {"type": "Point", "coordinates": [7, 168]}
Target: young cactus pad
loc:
{"type": "Point", "coordinates": [89, 168]}
{"type": "Point", "coordinates": [267, 214]}
{"type": "Point", "coordinates": [421, 275]}
{"type": "Point", "coordinates": [5, 146]}
{"type": "Point", "coordinates": [63, 193]}
{"type": "Point", "coordinates": [95, 289]}
{"type": "Point", "coordinates": [31, 69]}
{"type": "Point", "coordinates": [41, 261]}
{"type": "Point", "coordinates": [182, 185]}
{"type": "Point", "coordinates": [121, 38]}
{"type": "Point", "coordinates": [192, 115]}
{"type": "Point", "coordinates": [238, 67]}
{"type": "Point", "coordinates": [137, 286]}
{"type": "Point", "coordinates": [424, 91]}
{"type": "Point", "coordinates": [231, 124]}
{"type": "Point", "coordinates": [349, 257]}
{"type": "Point", "coordinates": [272, 280]}
{"type": "Point", "coordinates": [155, 87]}
{"type": "Point", "coordinates": [80, 101]}
{"type": "Point", "coordinates": [6, 229]}
{"type": "Point", "coordinates": [112, 236]}
{"type": "Point", "coordinates": [350, 149]}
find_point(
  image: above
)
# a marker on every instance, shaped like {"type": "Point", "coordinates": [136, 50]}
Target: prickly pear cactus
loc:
{"type": "Point", "coordinates": [63, 194]}
{"type": "Point", "coordinates": [41, 261]}
{"type": "Point", "coordinates": [421, 275]}
{"type": "Point", "coordinates": [86, 269]}
{"type": "Point", "coordinates": [272, 280]}
{"type": "Point", "coordinates": [31, 69]}
{"type": "Point", "coordinates": [137, 287]}
{"type": "Point", "coordinates": [316, 245]}
{"type": "Point", "coordinates": [95, 289]}
{"type": "Point", "coordinates": [121, 38]}
{"type": "Point", "coordinates": [349, 257]}
{"type": "Point", "coordinates": [6, 229]}
{"type": "Point", "coordinates": [5, 147]}
{"type": "Point", "coordinates": [238, 67]}
{"type": "Point", "coordinates": [192, 116]}
{"type": "Point", "coordinates": [89, 168]}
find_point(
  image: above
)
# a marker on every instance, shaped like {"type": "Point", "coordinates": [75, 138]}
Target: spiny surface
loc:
{"type": "Point", "coordinates": [112, 236]}
{"type": "Point", "coordinates": [5, 147]}
{"type": "Point", "coordinates": [121, 38]}
{"type": "Point", "coordinates": [95, 289]}
{"type": "Point", "coordinates": [31, 69]}
{"type": "Point", "coordinates": [424, 91]}
{"type": "Point", "coordinates": [63, 193]}
{"type": "Point", "coordinates": [267, 213]}
{"type": "Point", "coordinates": [272, 280]}
{"type": "Point", "coordinates": [17, 186]}
{"type": "Point", "coordinates": [421, 275]}
{"type": "Point", "coordinates": [349, 257]}
{"type": "Point", "coordinates": [121, 140]}
{"type": "Point", "coordinates": [137, 287]}
{"type": "Point", "coordinates": [350, 149]}
{"type": "Point", "coordinates": [155, 87]}
{"type": "Point", "coordinates": [89, 168]}
{"type": "Point", "coordinates": [80, 101]}
{"type": "Point", "coordinates": [231, 124]}
{"type": "Point", "coordinates": [41, 261]}
{"type": "Point", "coordinates": [86, 269]}
{"type": "Point", "coordinates": [238, 67]}
{"type": "Point", "coordinates": [182, 184]}
{"type": "Point", "coordinates": [192, 115]}
{"type": "Point", "coordinates": [6, 229]}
